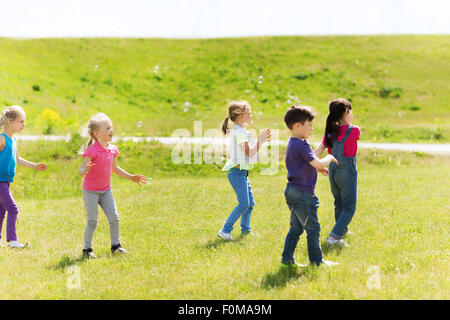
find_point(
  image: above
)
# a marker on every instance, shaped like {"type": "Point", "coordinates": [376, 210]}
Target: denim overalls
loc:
{"type": "Point", "coordinates": [343, 182]}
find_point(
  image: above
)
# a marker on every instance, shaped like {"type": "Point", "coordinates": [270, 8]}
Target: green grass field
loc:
{"type": "Point", "coordinates": [398, 84]}
{"type": "Point", "coordinates": [399, 248]}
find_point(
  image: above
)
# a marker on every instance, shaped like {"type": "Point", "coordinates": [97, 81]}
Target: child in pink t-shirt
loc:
{"type": "Point", "coordinates": [98, 165]}
{"type": "Point", "coordinates": [341, 141]}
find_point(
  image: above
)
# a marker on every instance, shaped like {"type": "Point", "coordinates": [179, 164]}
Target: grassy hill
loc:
{"type": "Point", "coordinates": [399, 85]}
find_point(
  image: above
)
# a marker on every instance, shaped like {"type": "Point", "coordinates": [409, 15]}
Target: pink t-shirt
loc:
{"type": "Point", "coordinates": [99, 176]}
{"type": "Point", "coordinates": [350, 145]}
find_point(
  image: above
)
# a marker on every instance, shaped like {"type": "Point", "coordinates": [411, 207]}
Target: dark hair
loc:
{"type": "Point", "coordinates": [337, 109]}
{"type": "Point", "coordinates": [298, 113]}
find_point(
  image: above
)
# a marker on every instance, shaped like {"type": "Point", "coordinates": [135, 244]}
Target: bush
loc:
{"type": "Point", "coordinates": [301, 76]}
{"type": "Point", "coordinates": [36, 87]}
{"type": "Point", "coordinates": [390, 91]}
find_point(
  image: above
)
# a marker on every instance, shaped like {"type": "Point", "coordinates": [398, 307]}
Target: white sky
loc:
{"type": "Point", "coordinates": [220, 18]}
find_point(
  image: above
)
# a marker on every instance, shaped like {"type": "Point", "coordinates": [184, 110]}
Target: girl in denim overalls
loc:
{"type": "Point", "coordinates": [243, 152]}
{"type": "Point", "coordinates": [341, 140]}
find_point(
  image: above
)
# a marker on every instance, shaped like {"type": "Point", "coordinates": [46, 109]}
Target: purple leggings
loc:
{"type": "Point", "coordinates": [7, 203]}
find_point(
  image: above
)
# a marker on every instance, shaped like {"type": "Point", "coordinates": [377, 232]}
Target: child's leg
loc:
{"type": "Point", "coordinates": [348, 185]}
{"type": "Point", "coordinates": [312, 228]}
{"type": "Point", "coordinates": [304, 206]}
{"type": "Point", "coordinates": [296, 229]}
{"type": "Point", "coordinates": [2, 217]}
{"type": "Point", "coordinates": [91, 200]}
{"type": "Point", "coordinates": [239, 183]}
{"type": "Point", "coordinates": [7, 200]}
{"type": "Point", "coordinates": [245, 218]}
{"type": "Point", "coordinates": [336, 191]}
{"type": "Point", "coordinates": [109, 207]}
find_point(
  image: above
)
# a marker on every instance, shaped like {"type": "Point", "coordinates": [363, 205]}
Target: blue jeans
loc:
{"type": "Point", "coordinates": [303, 207]}
{"type": "Point", "coordinates": [343, 182]}
{"type": "Point", "coordinates": [241, 185]}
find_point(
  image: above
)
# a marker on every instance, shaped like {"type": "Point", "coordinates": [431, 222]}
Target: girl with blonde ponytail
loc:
{"type": "Point", "coordinates": [243, 151]}
{"type": "Point", "coordinates": [13, 121]}
{"type": "Point", "coordinates": [98, 165]}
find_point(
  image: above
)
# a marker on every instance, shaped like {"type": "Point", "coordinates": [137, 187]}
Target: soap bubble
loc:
{"type": "Point", "coordinates": [186, 105]}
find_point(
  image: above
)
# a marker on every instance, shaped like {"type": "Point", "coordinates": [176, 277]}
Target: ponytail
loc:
{"type": "Point", "coordinates": [235, 109]}
{"type": "Point", "coordinates": [331, 130]}
{"type": "Point", "coordinates": [3, 119]}
{"type": "Point", "coordinates": [225, 125]}
{"type": "Point", "coordinates": [337, 109]}
{"type": "Point", "coordinates": [86, 145]}
{"type": "Point", "coordinates": [90, 142]}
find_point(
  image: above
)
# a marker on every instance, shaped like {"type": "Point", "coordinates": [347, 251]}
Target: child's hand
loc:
{"type": "Point", "coordinates": [40, 166]}
{"type": "Point", "coordinates": [88, 166]}
{"type": "Point", "coordinates": [323, 171]}
{"type": "Point", "coordinates": [333, 159]}
{"type": "Point", "coordinates": [265, 135]}
{"type": "Point", "coordinates": [138, 178]}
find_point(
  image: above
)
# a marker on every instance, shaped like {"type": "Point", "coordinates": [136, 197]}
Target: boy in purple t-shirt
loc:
{"type": "Point", "coordinates": [302, 165]}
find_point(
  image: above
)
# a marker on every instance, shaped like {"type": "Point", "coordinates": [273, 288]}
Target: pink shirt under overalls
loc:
{"type": "Point", "coordinates": [351, 144]}
{"type": "Point", "coordinates": [99, 176]}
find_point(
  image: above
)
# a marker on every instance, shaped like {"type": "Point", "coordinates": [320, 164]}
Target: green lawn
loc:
{"type": "Point", "coordinates": [399, 248]}
{"type": "Point", "coordinates": [398, 84]}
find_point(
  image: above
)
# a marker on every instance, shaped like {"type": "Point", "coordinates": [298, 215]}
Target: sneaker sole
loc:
{"type": "Point", "coordinates": [226, 239]}
{"type": "Point", "coordinates": [24, 246]}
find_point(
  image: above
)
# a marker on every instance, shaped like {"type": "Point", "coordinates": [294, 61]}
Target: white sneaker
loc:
{"type": "Point", "coordinates": [333, 241]}
{"type": "Point", "coordinates": [225, 236]}
{"type": "Point", "coordinates": [329, 263]}
{"type": "Point", "coordinates": [16, 244]}
{"type": "Point", "coordinates": [1, 244]}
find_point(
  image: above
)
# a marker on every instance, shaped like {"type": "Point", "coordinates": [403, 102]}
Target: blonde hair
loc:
{"type": "Point", "coordinates": [92, 126]}
{"type": "Point", "coordinates": [235, 109]}
{"type": "Point", "coordinates": [10, 114]}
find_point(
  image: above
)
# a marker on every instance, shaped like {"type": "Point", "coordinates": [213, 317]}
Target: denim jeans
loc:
{"type": "Point", "coordinates": [303, 207]}
{"type": "Point", "coordinates": [241, 185]}
{"type": "Point", "coordinates": [343, 182]}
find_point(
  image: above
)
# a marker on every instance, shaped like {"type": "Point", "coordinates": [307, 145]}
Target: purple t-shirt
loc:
{"type": "Point", "coordinates": [300, 173]}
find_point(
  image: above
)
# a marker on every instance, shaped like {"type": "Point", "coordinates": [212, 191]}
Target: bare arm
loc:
{"type": "Point", "coordinates": [86, 166]}
{"type": "Point", "coordinates": [133, 177]}
{"type": "Point", "coordinates": [319, 149]}
{"type": "Point", "coordinates": [320, 164]}
{"type": "Point", "coordinates": [22, 162]}
{"type": "Point", "coordinates": [263, 137]}
{"type": "Point", "coordinates": [119, 171]}
{"type": "Point", "coordinates": [2, 142]}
